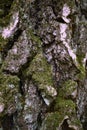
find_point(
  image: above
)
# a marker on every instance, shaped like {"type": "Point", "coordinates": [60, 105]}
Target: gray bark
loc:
{"type": "Point", "coordinates": [43, 65]}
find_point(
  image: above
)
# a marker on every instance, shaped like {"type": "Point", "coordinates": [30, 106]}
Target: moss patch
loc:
{"type": "Point", "coordinates": [81, 68]}
{"type": "Point", "coordinates": [52, 121]}
{"type": "Point", "coordinates": [67, 88]}
{"type": "Point", "coordinates": [41, 72]}
{"type": "Point", "coordinates": [33, 37]}
{"type": "Point", "coordinates": [9, 89]}
{"type": "Point", "coordinates": [8, 84]}
{"type": "Point", "coordinates": [5, 15]}
{"type": "Point", "coordinates": [5, 20]}
{"type": "Point", "coordinates": [5, 6]}
{"type": "Point", "coordinates": [7, 9]}
{"type": "Point", "coordinates": [3, 43]}
{"type": "Point", "coordinates": [64, 106]}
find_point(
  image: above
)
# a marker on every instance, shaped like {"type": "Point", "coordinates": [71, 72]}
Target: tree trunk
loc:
{"type": "Point", "coordinates": [43, 65]}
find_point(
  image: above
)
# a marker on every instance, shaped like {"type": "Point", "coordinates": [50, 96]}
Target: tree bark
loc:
{"type": "Point", "coordinates": [43, 65]}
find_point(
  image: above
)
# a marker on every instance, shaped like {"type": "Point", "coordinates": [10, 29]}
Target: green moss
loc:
{"type": "Point", "coordinates": [8, 7]}
{"type": "Point", "coordinates": [61, 102]}
{"type": "Point", "coordinates": [3, 43]}
{"type": "Point", "coordinates": [67, 88]}
{"type": "Point", "coordinates": [5, 20]}
{"type": "Point", "coordinates": [40, 71]}
{"type": "Point", "coordinates": [33, 37]}
{"type": "Point", "coordinates": [77, 123]}
{"type": "Point", "coordinates": [37, 43]}
{"type": "Point", "coordinates": [1, 12]}
{"type": "Point", "coordinates": [9, 88]}
{"type": "Point", "coordinates": [7, 82]}
{"type": "Point", "coordinates": [4, 13]}
{"type": "Point", "coordinates": [64, 107]}
{"type": "Point", "coordinates": [4, 7]}
{"type": "Point", "coordinates": [81, 68]}
{"type": "Point", "coordinates": [80, 57]}
{"type": "Point", "coordinates": [6, 2]}
{"type": "Point", "coordinates": [82, 74]}
{"type": "Point", "coordinates": [35, 40]}
{"type": "Point", "coordinates": [52, 121]}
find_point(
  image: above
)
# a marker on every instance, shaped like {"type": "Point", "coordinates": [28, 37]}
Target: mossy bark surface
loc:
{"type": "Point", "coordinates": [43, 65]}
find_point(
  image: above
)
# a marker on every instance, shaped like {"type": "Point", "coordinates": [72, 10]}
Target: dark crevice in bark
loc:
{"type": "Point", "coordinates": [39, 120]}
{"type": "Point", "coordinates": [7, 122]}
{"type": "Point", "coordinates": [84, 126]}
{"type": "Point", "coordinates": [21, 89]}
{"type": "Point", "coordinates": [9, 72]}
{"type": "Point", "coordinates": [6, 7]}
{"type": "Point", "coordinates": [76, 3]}
{"type": "Point", "coordinates": [44, 46]}
{"type": "Point", "coordinates": [54, 3]}
{"type": "Point", "coordinates": [60, 20]}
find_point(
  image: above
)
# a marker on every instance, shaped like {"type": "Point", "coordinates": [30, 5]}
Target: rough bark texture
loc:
{"type": "Point", "coordinates": [43, 65]}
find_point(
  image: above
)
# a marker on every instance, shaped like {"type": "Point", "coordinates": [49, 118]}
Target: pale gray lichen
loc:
{"type": "Point", "coordinates": [8, 31]}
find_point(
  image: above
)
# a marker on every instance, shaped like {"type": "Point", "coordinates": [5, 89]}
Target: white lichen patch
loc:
{"type": "Point", "coordinates": [15, 50]}
{"type": "Point", "coordinates": [52, 91]}
{"type": "Point", "coordinates": [1, 107]}
{"type": "Point", "coordinates": [28, 118]}
{"type": "Point", "coordinates": [66, 10]}
{"type": "Point", "coordinates": [65, 13]}
{"type": "Point", "coordinates": [28, 103]}
{"type": "Point", "coordinates": [70, 51]}
{"type": "Point", "coordinates": [46, 101]}
{"type": "Point", "coordinates": [48, 94]}
{"type": "Point", "coordinates": [63, 38]}
{"type": "Point", "coordinates": [63, 34]}
{"type": "Point", "coordinates": [8, 31]}
{"type": "Point", "coordinates": [11, 86]}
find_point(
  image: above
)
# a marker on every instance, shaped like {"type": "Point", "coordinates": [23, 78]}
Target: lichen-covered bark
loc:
{"type": "Point", "coordinates": [43, 65]}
